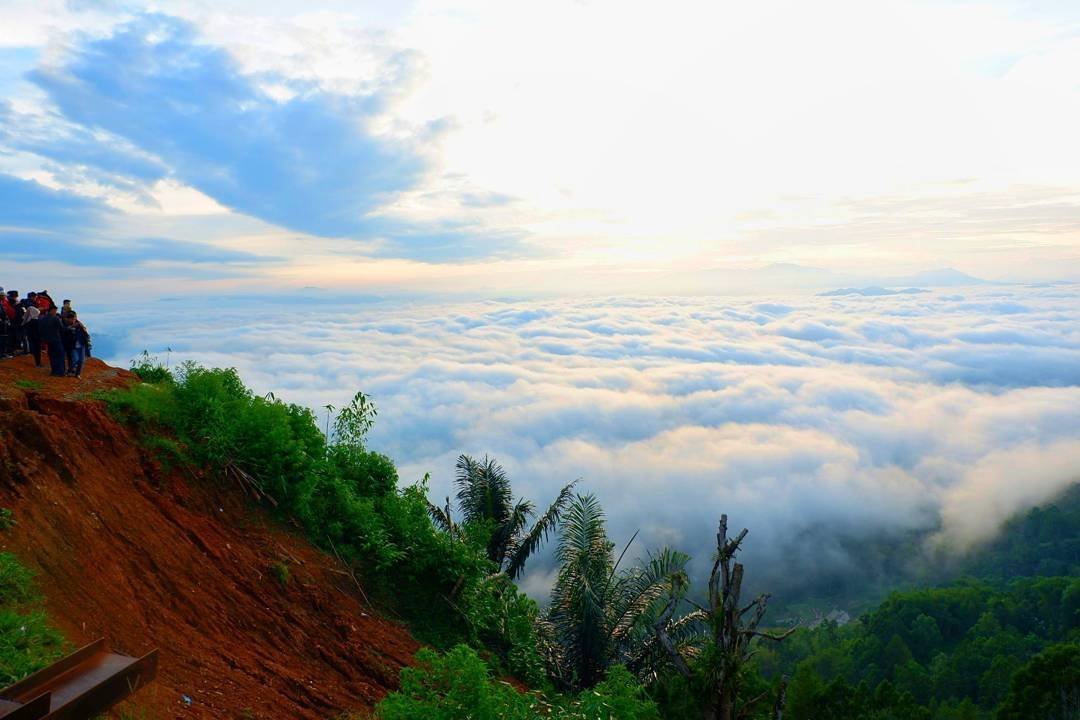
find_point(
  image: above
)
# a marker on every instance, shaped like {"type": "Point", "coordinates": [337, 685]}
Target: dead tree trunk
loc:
{"type": "Point", "coordinates": [732, 628]}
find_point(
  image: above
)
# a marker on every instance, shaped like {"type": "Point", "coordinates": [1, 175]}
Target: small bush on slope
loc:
{"type": "Point", "coordinates": [459, 686]}
{"type": "Point", "coordinates": [27, 643]}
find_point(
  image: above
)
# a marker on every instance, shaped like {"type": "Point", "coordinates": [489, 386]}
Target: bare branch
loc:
{"type": "Point", "coordinates": [777, 638]}
{"type": "Point", "coordinates": [660, 630]}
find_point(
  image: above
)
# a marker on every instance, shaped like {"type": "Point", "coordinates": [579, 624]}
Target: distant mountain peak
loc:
{"type": "Point", "coordinates": [940, 277]}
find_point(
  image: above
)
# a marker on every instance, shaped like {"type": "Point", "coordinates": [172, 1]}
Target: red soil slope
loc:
{"type": "Point", "coordinates": [150, 559]}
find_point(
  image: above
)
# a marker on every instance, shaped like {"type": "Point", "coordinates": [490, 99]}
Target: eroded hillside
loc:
{"type": "Point", "coordinates": [150, 557]}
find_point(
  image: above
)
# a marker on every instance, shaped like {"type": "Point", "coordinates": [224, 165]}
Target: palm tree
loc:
{"type": "Point", "coordinates": [485, 496]}
{"type": "Point", "coordinates": [601, 615]}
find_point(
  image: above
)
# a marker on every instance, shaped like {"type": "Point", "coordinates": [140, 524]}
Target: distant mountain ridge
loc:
{"type": "Point", "coordinates": [872, 291]}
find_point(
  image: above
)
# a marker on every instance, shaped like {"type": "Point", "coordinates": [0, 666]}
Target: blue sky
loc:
{"type": "Point", "coordinates": [574, 147]}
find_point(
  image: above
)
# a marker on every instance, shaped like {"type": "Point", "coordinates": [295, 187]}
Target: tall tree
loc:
{"type": "Point", "coordinates": [732, 630]}
{"type": "Point", "coordinates": [486, 496]}
{"type": "Point", "coordinates": [1047, 688]}
{"type": "Point", "coordinates": [601, 615]}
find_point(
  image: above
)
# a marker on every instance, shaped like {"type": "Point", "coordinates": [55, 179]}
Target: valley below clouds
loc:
{"type": "Point", "coordinates": [832, 427]}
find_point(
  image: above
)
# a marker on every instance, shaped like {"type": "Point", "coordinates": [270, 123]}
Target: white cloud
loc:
{"type": "Point", "coordinates": [930, 413]}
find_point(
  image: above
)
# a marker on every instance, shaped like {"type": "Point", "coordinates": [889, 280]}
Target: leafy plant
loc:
{"type": "Point", "coordinates": [355, 420]}
{"type": "Point", "coordinates": [459, 686]}
{"type": "Point", "coordinates": [602, 615]}
{"type": "Point", "coordinates": [486, 498]}
{"type": "Point", "coordinates": [149, 368]}
{"type": "Point", "coordinates": [27, 642]}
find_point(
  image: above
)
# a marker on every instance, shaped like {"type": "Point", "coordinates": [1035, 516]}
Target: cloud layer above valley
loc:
{"type": "Point", "coordinates": [818, 422]}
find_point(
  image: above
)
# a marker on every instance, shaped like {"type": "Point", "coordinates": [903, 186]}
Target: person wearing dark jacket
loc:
{"type": "Point", "coordinates": [52, 334]}
{"type": "Point", "coordinates": [68, 336]}
{"type": "Point", "coordinates": [79, 342]}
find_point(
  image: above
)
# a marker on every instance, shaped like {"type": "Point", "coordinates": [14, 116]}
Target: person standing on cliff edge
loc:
{"type": "Point", "coordinates": [52, 334]}
{"type": "Point", "coordinates": [31, 320]}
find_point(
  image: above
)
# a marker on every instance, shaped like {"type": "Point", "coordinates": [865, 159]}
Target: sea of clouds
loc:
{"type": "Point", "coordinates": [824, 424]}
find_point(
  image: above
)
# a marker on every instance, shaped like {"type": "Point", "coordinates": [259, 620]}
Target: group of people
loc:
{"type": "Point", "coordinates": [35, 324]}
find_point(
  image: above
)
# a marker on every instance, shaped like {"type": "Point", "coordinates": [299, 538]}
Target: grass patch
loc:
{"type": "Point", "coordinates": [24, 384]}
{"type": "Point", "coordinates": [280, 571]}
{"type": "Point", "coordinates": [27, 642]}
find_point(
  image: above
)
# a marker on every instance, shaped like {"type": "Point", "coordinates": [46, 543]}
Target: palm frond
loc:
{"type": "Point", "coordinates": [579, 600]}
{"type": "Point", "coordinates": [440, 516]}
{"type": "Point", "coordinates": [582, 529]}
{"type": "Point", "coordinates": [647, 658]}
{"type": "Point", "coordinates": [539, 532]}
{"type": "Point", "coordinates": [484, 491]}
{"type": "Point", "coordinates": [637, 591]}
{"type": "Point", "coordinates": [500, 546]}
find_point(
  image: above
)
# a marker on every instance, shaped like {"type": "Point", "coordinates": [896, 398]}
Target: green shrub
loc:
{"type": "Point", "coordinates": [503, 619]}
{"type": "Point", "coordinates": [459, 686]}
{"type": "Point", "coordinates": [27, 643]}
{"type": "Point", "coordinates": [452, 686]}
{"type": "Point", "coordinates": [345, 496]}
{"type": "Point", "coordinates": [16, 582]}
{"type": "Point", "coordinates": [618, 697]}
{"type": "Point", "coordinates": [149, 369]}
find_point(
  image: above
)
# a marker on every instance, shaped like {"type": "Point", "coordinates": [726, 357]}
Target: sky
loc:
{"type": "Point", "coordinates": [486, 148]}
{"type": "Point", "coordinates": [815, 265]}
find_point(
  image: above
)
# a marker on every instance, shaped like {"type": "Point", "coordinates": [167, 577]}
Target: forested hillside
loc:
{"type": "Point", "coordinates": [964, 649]}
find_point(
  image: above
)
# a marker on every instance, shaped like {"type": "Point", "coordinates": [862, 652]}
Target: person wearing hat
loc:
{"type": "Point", "coordinates": [43, 301]}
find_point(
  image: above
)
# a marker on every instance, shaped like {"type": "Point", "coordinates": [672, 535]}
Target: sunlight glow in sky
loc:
{"type": "Point", "coordinates": [553, 147]}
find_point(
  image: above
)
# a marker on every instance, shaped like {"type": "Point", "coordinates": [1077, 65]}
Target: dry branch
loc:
{"type": "Point", "coordinates": [731, 635]}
